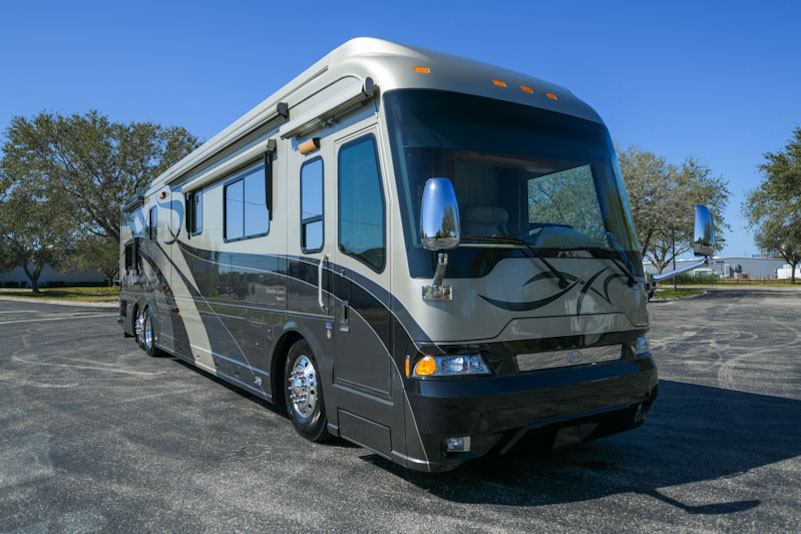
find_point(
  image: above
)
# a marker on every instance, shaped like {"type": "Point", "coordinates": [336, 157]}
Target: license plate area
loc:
{"type": "Point", "coordinates": [568, 357]}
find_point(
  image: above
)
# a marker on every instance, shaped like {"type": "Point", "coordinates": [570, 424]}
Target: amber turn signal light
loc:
{"type": "Point", "coordinates": [425, 366]}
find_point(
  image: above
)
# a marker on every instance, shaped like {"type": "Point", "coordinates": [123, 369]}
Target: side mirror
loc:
{"type": "Point", "coordinates": [704, 239]}
{"type": "Point", "coordinates": [439, 215]}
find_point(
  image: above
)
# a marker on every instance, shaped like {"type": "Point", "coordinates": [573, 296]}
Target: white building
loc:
{"type": "Point", "coordinates": [785, 272]}
{"type": "Point", "coordinates": [730, 266]}
{"type": "Point", "coordinates": [49, 274]}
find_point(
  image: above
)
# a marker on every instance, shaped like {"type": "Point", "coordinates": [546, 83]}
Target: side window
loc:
{"type": "Point", "coordinates": [129, 258]}
{"type": "Point", "coordinates": [311, 206]}
{"type": "Point", "coordinates": [246, 213]}
{"type": "Point", "coordinates": [361, 203]}
{"type": "Point", "coordinates": [132, 257]}
{"type": "Point", "coordinates": [194, 212]}
{"type": "Point", "coordinates": [153, 232]}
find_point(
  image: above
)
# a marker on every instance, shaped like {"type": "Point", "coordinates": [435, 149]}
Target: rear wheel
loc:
{"type": "Point", "coordinates": [139, 327]}
{"type": "Point", "coordinates": [304, 393]}
{"type": "Point", "coordinates": [148, 335]}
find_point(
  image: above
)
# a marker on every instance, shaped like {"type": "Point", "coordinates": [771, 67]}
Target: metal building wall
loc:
{"type": "Point", "coordinates": [725, 267]}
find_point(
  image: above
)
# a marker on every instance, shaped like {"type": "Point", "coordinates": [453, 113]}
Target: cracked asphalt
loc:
{"type": "Point", "coordinates": [96, 436]}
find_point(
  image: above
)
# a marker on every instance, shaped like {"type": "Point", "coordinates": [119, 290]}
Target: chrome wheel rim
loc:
{"type": "Point", "coordinates": [148, 328]}
{"type": "Point", "coordinates": [302, 388]}
{"type": "Point", "coordinates": [139, 328]}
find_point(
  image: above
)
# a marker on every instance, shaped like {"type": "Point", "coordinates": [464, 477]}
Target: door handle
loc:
{"type": "Point", "coordinates": [320, 283]}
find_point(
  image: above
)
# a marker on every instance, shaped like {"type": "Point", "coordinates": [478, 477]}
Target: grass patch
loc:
{"type": "Point", "coordinates": [669, 293]}
{"type": "Point", "coordinates": [76, 294]}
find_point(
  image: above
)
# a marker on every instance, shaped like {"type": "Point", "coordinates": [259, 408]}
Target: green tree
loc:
{"type": "Point", "coordinates": [33, 233]}
{"type": "Point", "coordinates": [95, 252]}
{"type": "Point", "coordinates": [90, 163]}
{"type": "Point", "coordinates": [773, 208]}
{"type": "Point", "coordinates": [783, 235]}
{"type": "Point", "coordinates": [650, 190]}
{"type": "Point", "coordinates": [693, 183]}
{"type": "Point", "coordinates": [663, 196]}
{"type": "Point", "coordinates": [87, 166]}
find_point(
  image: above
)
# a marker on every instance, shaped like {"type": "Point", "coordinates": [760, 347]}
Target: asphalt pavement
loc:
{"type": "Point", "coordinates": [95, 436]}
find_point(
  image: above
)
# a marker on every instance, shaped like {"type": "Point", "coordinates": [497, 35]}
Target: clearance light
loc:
{"type": "Point", "coordinates": [499, 83]}
{"type": "Point", "coordinates": [309, 146]}
{"type": "Point", "coordinates": [452, 365]}
{"type": "Point", "coordinates": [551, 96]}
{"type": "Point", "coordinates": [527, 89]}
{"type": "Point", "coordinates": [407, 366]}
{"type": "Point", "coordinates": [424, 70]}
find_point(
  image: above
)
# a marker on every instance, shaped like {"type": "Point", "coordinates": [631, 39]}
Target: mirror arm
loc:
{"type": "Point", "coordinates": [671, 274]}
{"type": "Point", "coordinates": [436, 291]}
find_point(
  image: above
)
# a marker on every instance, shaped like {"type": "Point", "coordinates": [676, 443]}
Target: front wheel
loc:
{"type": "Point", "coordinates": [303, 393]}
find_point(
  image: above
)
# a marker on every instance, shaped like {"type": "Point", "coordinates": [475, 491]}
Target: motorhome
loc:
{"type": "Point", "coordinates": [425, 255]}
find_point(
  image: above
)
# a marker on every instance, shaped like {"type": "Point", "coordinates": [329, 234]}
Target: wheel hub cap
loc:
{"type": "Point", "coordinates": [148, 328]}
{"type": "Point", "coordinates": [303, 387]}
{"type": "Point", "coordinates": [139, 328]}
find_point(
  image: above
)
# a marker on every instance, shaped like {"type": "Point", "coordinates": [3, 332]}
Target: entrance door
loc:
{"type": "Point", "coordinates": [362, 330]}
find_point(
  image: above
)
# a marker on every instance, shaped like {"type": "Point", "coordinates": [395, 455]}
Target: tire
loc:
{"type": "Point", "coordinates": [138, 324]}
{"type": "Point", "coordinates": [149, 336]}
{"type": "Point", "coordinates": [132, 319]}
{"type": "Point", "coordinates": [303, 393]}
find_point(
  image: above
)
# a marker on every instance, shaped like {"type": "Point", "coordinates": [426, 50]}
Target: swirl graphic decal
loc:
{"type": "Point", "coordinates": [575, 281]}
{"type": "Point", "coordinates": [178, 207]}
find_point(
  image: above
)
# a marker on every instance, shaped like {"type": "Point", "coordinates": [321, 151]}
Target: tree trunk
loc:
{"type": "Point", "coordinates": [33, 277]}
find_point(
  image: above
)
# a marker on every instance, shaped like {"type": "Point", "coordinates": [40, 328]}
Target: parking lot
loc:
{"type": "Point", "coordinates": [96, 436]}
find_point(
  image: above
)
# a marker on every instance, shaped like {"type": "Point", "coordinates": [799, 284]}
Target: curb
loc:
{"type": "Point", "coordinates": [114, 304]}
{"type": "Point", "coordinates": [686, 297]}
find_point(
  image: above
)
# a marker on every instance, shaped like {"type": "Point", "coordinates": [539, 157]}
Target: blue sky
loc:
{"type": "Point", "coordinates": [719, 80]}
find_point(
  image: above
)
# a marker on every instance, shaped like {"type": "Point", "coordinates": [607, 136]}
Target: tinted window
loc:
{"type": "Point", "coordinates": [197, 212]}
{"type": "Point", "coordinates": [128, 257]}
{"type": "Point", "coordinates": [361, 203]}
{"type": "Point", "coordinates": [153, 223]}
{"type": "Point", "coordinates": [234, 210]}
{"type": "Point", "coordinates": [519, 172]}
{"type": "Point", "coordinates": [246, 213]}
{"type": "Point", "coordinates": [257, 220]}
{"type": "Point", "coordinates": [311, 205]}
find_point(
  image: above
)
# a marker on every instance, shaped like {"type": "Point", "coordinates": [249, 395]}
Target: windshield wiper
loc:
{"type": "Point", "coordinates": [532, 253]}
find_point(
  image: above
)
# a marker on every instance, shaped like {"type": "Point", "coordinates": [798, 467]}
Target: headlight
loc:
{"type": "Point", "coordinates": [459, 365]}
{"type": "Point", "coordinates": [641, 346]}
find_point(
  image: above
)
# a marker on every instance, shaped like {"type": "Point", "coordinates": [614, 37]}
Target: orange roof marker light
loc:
{"type": "Point", "coordinates": [551, 96]}
{"type": "Point", "coordinates": [499, 83]}
{"type": "Point", "coordinates": [424, 70]}
{"type": "Point", "coordinates": [525, 89]}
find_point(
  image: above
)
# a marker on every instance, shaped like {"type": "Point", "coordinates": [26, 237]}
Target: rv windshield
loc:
{"type": "Point", "coordinates": [520, 173]}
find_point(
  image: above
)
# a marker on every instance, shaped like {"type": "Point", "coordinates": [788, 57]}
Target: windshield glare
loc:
{"type": "Point", "coordinates": [520, 173]}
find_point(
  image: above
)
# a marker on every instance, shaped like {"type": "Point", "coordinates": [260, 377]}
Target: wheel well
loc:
{"type": "Point", "coordinates": [134, 312]}
{"type": "Point", "coordinates": [277, 365]}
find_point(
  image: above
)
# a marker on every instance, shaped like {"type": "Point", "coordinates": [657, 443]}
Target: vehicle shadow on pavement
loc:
{"type": "Point", "coordinates": [693, 434]}
{"type": "Point", "coordinates": [278, 409]}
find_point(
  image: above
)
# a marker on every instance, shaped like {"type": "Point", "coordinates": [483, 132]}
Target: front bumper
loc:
{"type": "Point", "coordinates": [498, 411]}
